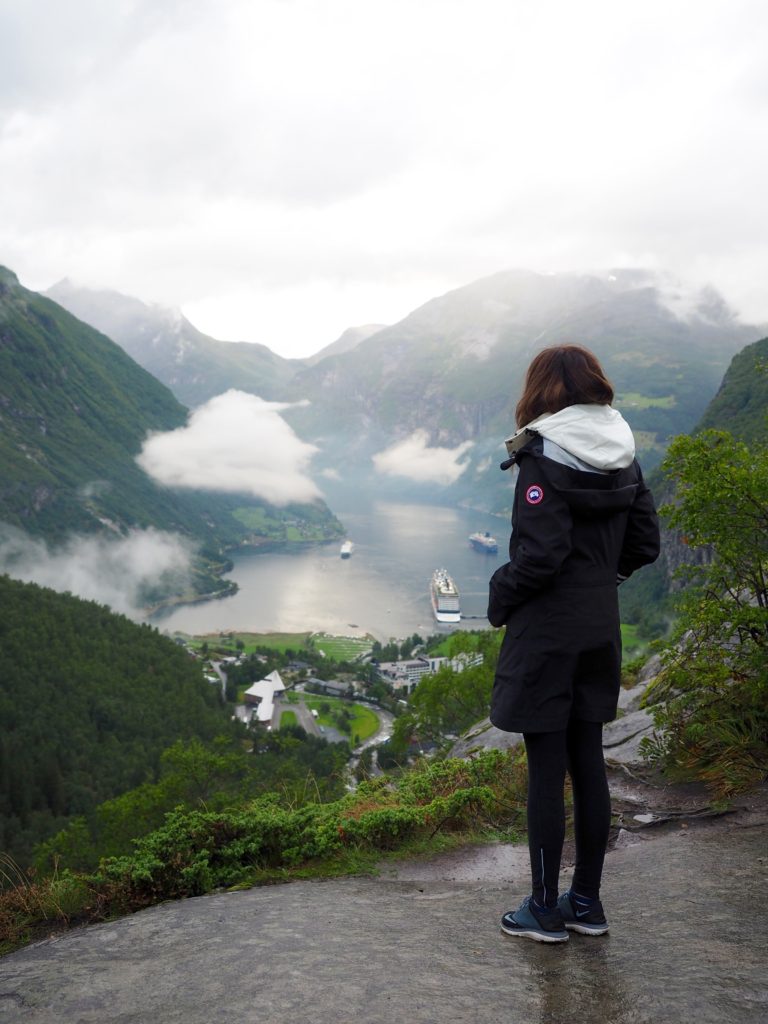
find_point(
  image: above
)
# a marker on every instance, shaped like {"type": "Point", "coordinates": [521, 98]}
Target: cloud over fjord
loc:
{"type": "Point", "coordinates": [415, 459]}
{"type": "Point", "coordinates": [117, 571]}
{"type": "Point", "coordinates": [235, 443]}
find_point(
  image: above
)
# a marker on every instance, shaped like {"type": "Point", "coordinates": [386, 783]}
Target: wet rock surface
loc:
{"type": "Point", "coordinates": [687, 903]}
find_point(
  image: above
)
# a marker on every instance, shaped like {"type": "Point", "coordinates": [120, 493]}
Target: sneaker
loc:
{"type": "Point", "coordinates": [582, 918]}
{"type": "Point", "coordinates": [540, 925]}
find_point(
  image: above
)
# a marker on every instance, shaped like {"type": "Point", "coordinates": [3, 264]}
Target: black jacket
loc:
{"type": "Point", "coordinates": [574, 533]}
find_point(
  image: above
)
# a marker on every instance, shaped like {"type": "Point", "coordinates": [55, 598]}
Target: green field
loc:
{"type": "Point", "coordinates": [288, 718]}
{"type": "Point", "coordinates": [342, 648]}
{"type": "Point", "coordinates": [275, 641]}
{"type": "Point", "coordinates": [338, 648]}
{"type": "Point", "coordinates": [634, 400]}
{"type": "Point", "coordinates": [631, 646]}
{"type": "Point", "coordinates": [306, 524]}
{"type": "Point", "coordinates": [365, 722]}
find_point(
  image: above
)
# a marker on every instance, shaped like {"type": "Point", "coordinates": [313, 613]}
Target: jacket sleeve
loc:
{"type": "Point", "coordinates": [541, 542]}
{"type": "Point", "coordinates": [641, 544]}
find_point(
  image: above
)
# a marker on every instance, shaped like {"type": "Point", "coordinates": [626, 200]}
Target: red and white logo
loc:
{"type": "Point", "coordinates": [534, 494]}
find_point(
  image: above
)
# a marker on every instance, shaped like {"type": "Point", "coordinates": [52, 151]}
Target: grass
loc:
{"type": "Point", "coordinates": [365, 722]}
{"type": "Point", "coordinates": [297, 528]}
{"type": "Point", "coordinates": [227, 642]}
{"type": "Point", "coordinates": [288, 718]}
{"type": "Point", "coordinates": [435, 805]}
{"type": "Point", "coordinates": [342, 648]}
{"type": "Point", "coordinates": [631, 645]}
{"type": "Point", "coordinates": [32, 908]}
{"type": "Point", "coordinates": [635, 400]}
{"type": "Point", "coordinates": [257, 519]}
{"type": "Point", "coordinates": [337, 648]}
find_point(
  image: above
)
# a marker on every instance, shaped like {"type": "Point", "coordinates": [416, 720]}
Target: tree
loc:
{"type": "Point", "coordinates": [712, 694]}
{"type": "Point", "coordinates": [449, 701]}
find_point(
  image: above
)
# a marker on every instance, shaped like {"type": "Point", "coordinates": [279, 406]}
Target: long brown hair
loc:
{"type": "Point", "coordinates": [560, 376]}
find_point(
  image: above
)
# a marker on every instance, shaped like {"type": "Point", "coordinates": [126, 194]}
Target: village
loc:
{"type": "Point", "coordinates": [357, 706]}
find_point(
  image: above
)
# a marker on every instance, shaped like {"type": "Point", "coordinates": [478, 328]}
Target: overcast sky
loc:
{"type": "Point", "coordinates": [284, 169]}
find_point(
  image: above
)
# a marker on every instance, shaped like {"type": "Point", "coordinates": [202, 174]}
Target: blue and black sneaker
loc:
{"type": "Point", "coordinates": [582, 915]}
{"type": "Point", "coordinates": [543, 924]}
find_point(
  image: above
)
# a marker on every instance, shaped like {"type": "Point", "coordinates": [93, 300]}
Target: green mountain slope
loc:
{"type": "Point", "coordinates": [741, 404]}
{"type": "Point", "coordinates": [194, 366]}
{"type": "Point", "coordinates": [74, 411]}
{"type": "Point", "coordinates": [454, 368]}
{"type": "Point", "coordinates": [740, 407]}
{"type": "Point", "coordinates": [88, 701]}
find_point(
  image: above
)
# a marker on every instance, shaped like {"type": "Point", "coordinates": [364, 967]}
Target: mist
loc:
{"type": "Point", "coordinates": [414, 459]}
{"type": "Point", "coordinates": [119, 572]}
{"type": "Point", "coordinates": [235, 443]}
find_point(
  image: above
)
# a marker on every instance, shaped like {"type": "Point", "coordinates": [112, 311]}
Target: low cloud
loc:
{"type": "Point", "coordinates": [120, 572]}
{"type": "Point", "coordinates": [235, 443]}
{"type": "Point", "coordinates": [413, 458]}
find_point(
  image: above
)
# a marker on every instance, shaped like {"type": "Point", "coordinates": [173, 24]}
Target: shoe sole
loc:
{"type": "Point", "coordinates": [587, 929]}
{"type": "Point", "coordinates": [536, 936]}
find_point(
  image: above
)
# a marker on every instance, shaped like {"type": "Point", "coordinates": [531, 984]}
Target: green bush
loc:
{"type": "Point", "coordinates": [710, 701]}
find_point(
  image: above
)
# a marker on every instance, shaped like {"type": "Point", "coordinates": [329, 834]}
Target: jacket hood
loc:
{"type": "Point", "coordinates": [596, 434]}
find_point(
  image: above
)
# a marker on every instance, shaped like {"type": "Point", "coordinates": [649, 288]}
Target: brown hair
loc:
{"type": "Point", "coordinates": [560, 376]}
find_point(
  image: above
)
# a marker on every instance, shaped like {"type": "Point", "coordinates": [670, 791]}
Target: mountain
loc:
{"type": "Point", "coordinates": [194, 366]}
{"type": "Point", "coordinates": [74, 412]}
{"type": "Point", "coordinates": [741, 403]}
{"type": "Point", "coordinates": [348, 341]}
{"type": "Point", "coordinates": [740, 406]}
{"type": "Point", "coordinates": [453, 369]}
{"type": "Point", "coordinates": [449, 374]}
{"type": "Point", "coordinates": [88, 702]}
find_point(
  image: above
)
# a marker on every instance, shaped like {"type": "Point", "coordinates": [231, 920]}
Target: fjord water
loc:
{"type": "Point", "coordinates": [382, 589]}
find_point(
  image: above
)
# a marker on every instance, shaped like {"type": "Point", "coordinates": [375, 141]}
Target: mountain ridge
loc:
{"type": "Point", "coordinates": [75, 410]}
{"type": "Point", "coordinates": [450, 372]}
{"type": "Point", "coordinates": [193, 365]}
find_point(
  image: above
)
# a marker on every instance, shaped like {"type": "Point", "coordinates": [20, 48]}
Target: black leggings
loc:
{"type": "Point", "coordinates": [579, 750]}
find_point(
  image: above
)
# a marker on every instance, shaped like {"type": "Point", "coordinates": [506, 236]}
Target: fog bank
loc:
{"type": "Point", "coordinates": [119, 572]}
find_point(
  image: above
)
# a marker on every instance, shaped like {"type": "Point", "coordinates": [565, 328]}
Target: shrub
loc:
{"type": "Point", "coordinates": [711, 698]}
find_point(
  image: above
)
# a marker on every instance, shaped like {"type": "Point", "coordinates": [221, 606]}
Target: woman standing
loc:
{"type": "Point", "coordinates": [582, 522]}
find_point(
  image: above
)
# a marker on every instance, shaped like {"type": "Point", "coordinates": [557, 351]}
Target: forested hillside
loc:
{"type": "Point", "coordinates": [740, 407]}
{"type": "Point", "coordinates": [74, 412]}
{"type": "Point", "coordinates": [741, 404]}
{"type": "Point", "coordinates": [88, 702]}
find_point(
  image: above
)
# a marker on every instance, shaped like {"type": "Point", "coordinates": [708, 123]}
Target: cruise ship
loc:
{"type": "Point", "coordinates": [484, 542]}
{"type": "Point", "coordinates": [346, 549]}
{"type": "Point", "coordinates": [445, 597]}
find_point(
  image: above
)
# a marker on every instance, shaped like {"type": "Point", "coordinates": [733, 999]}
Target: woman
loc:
{"type": "Point", "coordinates": [582, 522]}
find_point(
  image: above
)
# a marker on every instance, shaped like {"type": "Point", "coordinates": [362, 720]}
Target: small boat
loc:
{"type": "Point", "coordinates": [346, 549]}
{"type": "Point", "coordinates": [484, 542]}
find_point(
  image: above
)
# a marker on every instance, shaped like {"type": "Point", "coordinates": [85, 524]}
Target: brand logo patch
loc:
{"type": "Point", "coordinates": [534, 494]}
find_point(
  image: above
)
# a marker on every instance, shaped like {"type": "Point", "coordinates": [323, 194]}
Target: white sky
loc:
{"type": "Point", "coordinates": [284, 169]}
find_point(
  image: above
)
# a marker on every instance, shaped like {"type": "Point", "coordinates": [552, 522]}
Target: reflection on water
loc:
{"type": "Point", "coordinates": [382, 589]}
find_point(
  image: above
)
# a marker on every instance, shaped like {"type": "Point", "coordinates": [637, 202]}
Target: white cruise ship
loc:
{"type": "Point", "coordinates": [445, 597]}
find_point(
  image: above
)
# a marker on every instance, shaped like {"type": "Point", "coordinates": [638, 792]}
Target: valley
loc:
{"type": "Point", "coordinates": [227, 520]}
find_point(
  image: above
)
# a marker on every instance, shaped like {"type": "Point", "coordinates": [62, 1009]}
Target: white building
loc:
{"type": "Point", "coordinates": [261, 696]}
{"type": "Point", "coordinates": [404, 675]}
